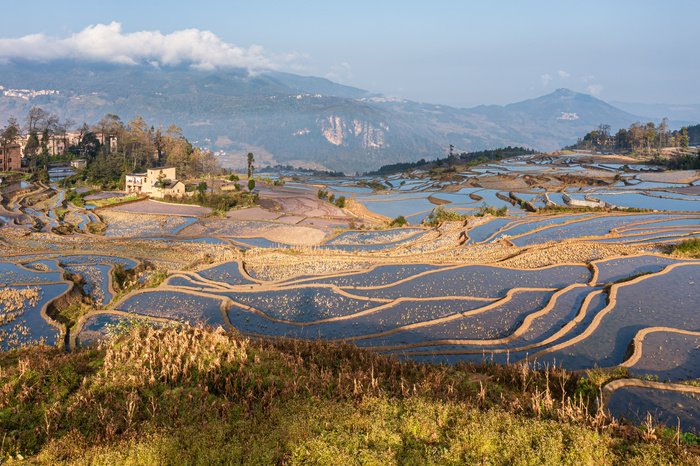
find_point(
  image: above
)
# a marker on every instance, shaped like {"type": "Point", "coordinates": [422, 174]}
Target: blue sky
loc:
{"type": "Point", "coordinates": [459, 53]}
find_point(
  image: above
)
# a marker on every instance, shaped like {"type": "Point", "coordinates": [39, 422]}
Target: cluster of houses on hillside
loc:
{"type": "Point", "coordinates": [156, 182]}
{"type": "Point", "coordinates": [13, 157]}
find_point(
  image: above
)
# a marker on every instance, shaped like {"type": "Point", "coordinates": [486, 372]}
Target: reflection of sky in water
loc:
{"type": "Point", "coordinates": [11, 273]}
{"type": "Point", "coordinates": [670, 356]}
{"type": "Point", "coordinates": [640, 201]}
{"type": "Point", "coordinates": [667, 223]}
{"type": "Point", "coordinates": [394, 208]}
{"type": "Point", "coordinates": [670, 239]}
{"type": "Point", "coordinates": [480, 281]}
{"type": "Point", "coordinates": [597, 226]}
{"type": "Point", "coordinates": [31, 317]}
{"type": "Point", "coordinates": [530, 226]}
{"type": "Point", "coordinates": [640, 305]}
{"type": "Point", "coordinates": [374, 237]}
{"type": "Point", "coordinates": [498, 322]}
{"type": "Point", "coordinates": [483, 232]}
{"type": "Point", "coordinates": [660, 235]}
{"type": "Point", "coordinates": [176, 306]}
{"type": "Point", "coordinates": [97, 259]}
{"type": "Point", "coordinates": [665, 406]}
{"type": "Point", "coordinates": [616, 269]}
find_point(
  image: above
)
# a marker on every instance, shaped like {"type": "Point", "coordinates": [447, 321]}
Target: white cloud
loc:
{"type": "Point", "coordinates": [107, 43]}
{"type": "Point", "coordinates": [595, 89]}
{"type": "Point", "coordinates": [563, 74]}
{"type": "Point", "coordinates": [341, 73]}
{"type": "Point", "coordinates": [545, 79]}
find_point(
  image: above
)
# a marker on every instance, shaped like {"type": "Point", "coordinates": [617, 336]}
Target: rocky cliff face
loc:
{"type": "Point", "coordinates": [341, 131]}
{"type": "Point", "coordinates": [303, 121]}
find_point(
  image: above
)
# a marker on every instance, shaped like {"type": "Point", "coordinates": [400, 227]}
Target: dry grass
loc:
{"type": "Point", "coordinates": [168, 392]}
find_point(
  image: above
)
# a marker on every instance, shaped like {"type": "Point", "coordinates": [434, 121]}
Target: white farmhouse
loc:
{"type": "Point", "coordinates": [156, 182]}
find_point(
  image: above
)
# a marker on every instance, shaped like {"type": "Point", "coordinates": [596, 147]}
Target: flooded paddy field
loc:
{"type": "Point", "coordinates": [580, 284]}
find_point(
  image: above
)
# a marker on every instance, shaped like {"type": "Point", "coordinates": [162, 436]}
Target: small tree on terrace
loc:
{"type": "Point", "coordinates": [201, 189]}
{"type": "Point", "coordinates": [251, 185]}
{"type": "Point", "coordinates": [251, 161]}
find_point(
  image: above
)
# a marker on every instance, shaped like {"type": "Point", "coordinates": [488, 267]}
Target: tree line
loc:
{"type": "Point", "coordinates": [111, 147]}
{"type": "Point", "coordinates": [464, 158]}
{"type": "Point", "coordinates": [638, 138]}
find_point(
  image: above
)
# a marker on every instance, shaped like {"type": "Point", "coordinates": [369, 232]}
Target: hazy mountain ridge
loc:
{"type": "Point", "coordinates": [305, 121]}
{"type": "Point", "coordinates": [688, 114]}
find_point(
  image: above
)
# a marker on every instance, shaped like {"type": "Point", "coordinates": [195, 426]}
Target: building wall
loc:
{"type": "Point", "coordinates": [178, 189]}
{"type": "Point", "coordinates": [134, 183]}
{"type": "Point", "coordinates": [11, 158]}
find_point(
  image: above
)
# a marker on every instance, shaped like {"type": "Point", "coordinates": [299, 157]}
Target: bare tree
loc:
{"type": "Point", "coordinates": [9, 134]}
{"type": "Point", "coordinates": [35, 119]}
{"type": "Point", "coordinates": [61, 129]}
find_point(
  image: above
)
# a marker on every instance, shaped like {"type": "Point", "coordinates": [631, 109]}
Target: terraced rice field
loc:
{"type": "Point", "coordinates": [576, 289]}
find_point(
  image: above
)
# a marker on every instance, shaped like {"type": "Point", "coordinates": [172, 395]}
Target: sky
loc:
{"type": "Point", "coordinates": [458, 53]}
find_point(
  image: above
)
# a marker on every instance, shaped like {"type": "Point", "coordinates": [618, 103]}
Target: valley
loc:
{"type": "Point", "coordinates": [541, 260]}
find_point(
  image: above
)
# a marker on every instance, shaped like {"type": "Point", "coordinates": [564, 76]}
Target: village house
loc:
{"type": "Point", "coordinates": [78, 164]}
{"type": "Point", "coordinates": [11, 158]}
{"type": "Point", "coordinates": [59, 144]}
{"type": "Point", "coordinates": [156, 182]}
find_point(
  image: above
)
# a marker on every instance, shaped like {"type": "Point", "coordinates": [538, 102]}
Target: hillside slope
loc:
{"type": "Point", "coordinates": [289, 119]}
{"type": "Point", "coordinates": [189, 395]}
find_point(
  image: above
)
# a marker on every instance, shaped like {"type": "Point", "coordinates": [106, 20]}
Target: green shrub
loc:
{"type": "Point", "coordinates": [689, 247]}
{"type": "Point", "coordinates": [399, 221]}
{"type": "Point", "coordinates": [441, 215]}
{"type": "Point", "coordinates": [491, 210]}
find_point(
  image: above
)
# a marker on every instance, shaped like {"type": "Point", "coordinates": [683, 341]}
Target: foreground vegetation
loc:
{"type": "Point", "coordinates": [188, 395]}
{"type": "Point", "coordinates": [690, 247]}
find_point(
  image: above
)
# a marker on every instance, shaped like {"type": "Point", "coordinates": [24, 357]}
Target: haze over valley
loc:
{"type": "Point", "coordinates": [306, 122]}
{"type": "Point", "coordinates": [349, 233]}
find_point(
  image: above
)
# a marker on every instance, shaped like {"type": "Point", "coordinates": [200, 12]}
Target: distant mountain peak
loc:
{"type": "Point", "coordinates": [564, 92]}
{"type": "Point", "coordinates": [299, 120]}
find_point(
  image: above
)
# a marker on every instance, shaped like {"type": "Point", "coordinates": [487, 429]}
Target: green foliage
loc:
{"type": "Point", "coordinates": [220, 201]}
{"type": "Point", "coordinates": [96, 228]}
{"type": "Point", "coordinates": [340, 201]}
{"type": "Point", "coordinates": [251, 185]}
{"type": "Point", "coordinates": [490, 210]}
{"type": "Point", "coordinates": [466, 159]}
{"type": "Point", "coordinates": [322, 194]}
{"type": "Point", "coordinates": [686, 161]}
{"type": "Point", "coordinates": [399, 221]}
{"type": "Point", "coordinates": [61, 213]}
{"type": "Point", "coordinates": [233, 177]}
{"type": "Point", "coordinates": [78, 199]}
{"type": "Point", "coordinates": [331, 198]}
{"type": "Point", "coordinates": [136, 399]}
{"type": "Point", "coordinates": [202, 190]}
{"type": "Point", "coordinates": [251, 161]}
{"type": "Point", "coordinates": [441, 215]}
{"type": "Point", "coordinates": [690, 247]}
{"type": "Point", "coordinates": [374, 185]}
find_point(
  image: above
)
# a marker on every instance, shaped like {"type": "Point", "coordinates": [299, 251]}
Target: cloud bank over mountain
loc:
{"type": "Point", "coordinates": [108, 43]}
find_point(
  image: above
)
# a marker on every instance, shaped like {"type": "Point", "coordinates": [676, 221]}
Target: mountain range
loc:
{"type": "Point", "coordinates": [296, 120]}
